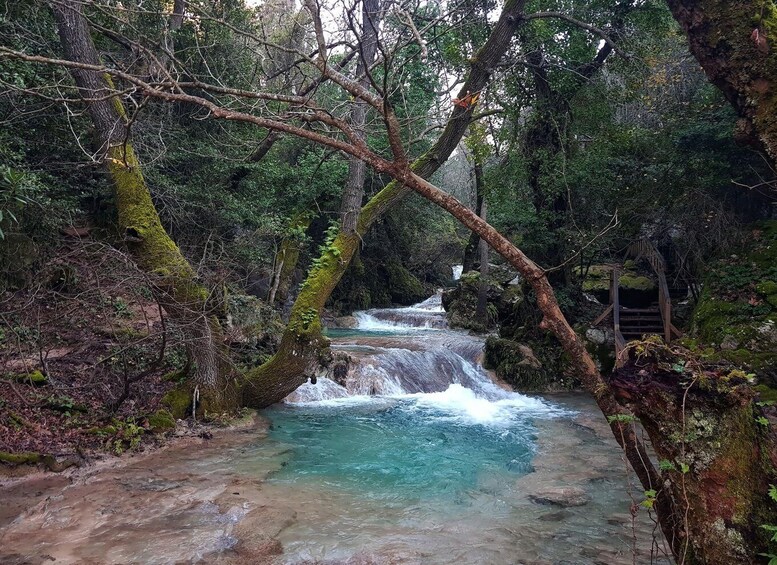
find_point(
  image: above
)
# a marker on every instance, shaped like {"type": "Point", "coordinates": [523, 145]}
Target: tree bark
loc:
{"type": "Point", "coordinates": [473, 244]}
{"type": "Point", "coordinates": [185, 300]}
{"type": "Point", "coordinates": [357, 169]}
{"type": "Point", "coordinates": [719, 461]}
{"type": "Point", "coordinates": [736, 43]}
{"type": "Point", "coordinates": [481, 311]}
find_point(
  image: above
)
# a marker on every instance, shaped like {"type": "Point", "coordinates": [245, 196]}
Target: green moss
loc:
{"type": "Point", "coordinates": [126, 334]}
{"type": "Point", "coordinates": [36, 378]}
{"type": "Point", "coordinates": [543, 373]}
{"type": "Point", "coordinates": [404, 286]}
{"type": "Point", "coordinates": [161, 421]}
{"type": "Point", "coordinates": [766, 288]}
{"type": "Point", "coordinates": [636, 282]}
{"type": "Point", "coordinates": [598, 278]}
{"type": "Point", "coordinates": [766, 394]}
{"type": "Point", "coordinates": [178, 401]}
{"type": "Point", "coordinates": [21, 458]}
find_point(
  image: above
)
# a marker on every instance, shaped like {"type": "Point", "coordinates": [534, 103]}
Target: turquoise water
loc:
{"type": "Point", "coordinates": [408, 447]}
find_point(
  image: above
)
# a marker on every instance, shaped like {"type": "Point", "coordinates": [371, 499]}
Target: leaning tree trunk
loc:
{"type": "Point", "coordinates": [185, 300]}
{"type": "Point", "coordinates": [303, 346]}
{"type": "Point", "coordinates": [736, 43]}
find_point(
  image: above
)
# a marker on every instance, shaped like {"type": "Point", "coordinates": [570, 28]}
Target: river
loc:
{"type": "Point", "coordinates": [416, 456]}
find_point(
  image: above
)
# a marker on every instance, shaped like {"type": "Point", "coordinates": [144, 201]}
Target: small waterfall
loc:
{"type": "Point", "coordinates": [391, 357]}
{"type": "Point", "coordinates": [425, 315]}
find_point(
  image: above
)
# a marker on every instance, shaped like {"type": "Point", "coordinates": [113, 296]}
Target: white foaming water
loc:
{"type": "Point", "coordinates": [436, 374]}
{"type": "Point", "coordinates": [426, 315]}
{"type": "Point", "coordinates": [431, 304]}
{"type": "Point", "coordinates": [457, 270]}
{"type": "Point", "coordinates": [463, 404]}
{"type": "Point", "coordinates": [370, 323]}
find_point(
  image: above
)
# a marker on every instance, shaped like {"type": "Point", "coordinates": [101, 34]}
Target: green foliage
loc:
{"type": "Point", "coordinates": [620, 418]}
{"type": "Point", "coordinates": [14, 190]}
{"type": "Point", "coordinates": [127, 436]}
{"type": "Point", "coordinates": [666, 465]}
{"type": "Point", "coordinates": [650, 499]}
{"type": "Point", "coordinates": [121, 308]}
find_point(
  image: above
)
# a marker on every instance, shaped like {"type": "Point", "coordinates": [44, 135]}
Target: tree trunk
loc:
{"type": "Point", "coordinates": [287, 260]}
{"type": "Point", "coordinates": [473, 244]}
{"type": "Point", "coordinates": [718, 460]}
{"type": "Point", "coordinates": [481, 311]}
{"type": "Point", "coordinates": [736, 43]}
{"type": "Point", "coordinates": [303, 346]}
{"type": "Point", "coordinates": [357, 169]}
{"type": "Point", "coordinates": [185, 300]}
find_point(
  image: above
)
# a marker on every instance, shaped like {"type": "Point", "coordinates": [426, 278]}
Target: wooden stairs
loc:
{"type": "Point", "coordinates": [637, 322]}
{"type": "Point", "coordinates": [634, 323]}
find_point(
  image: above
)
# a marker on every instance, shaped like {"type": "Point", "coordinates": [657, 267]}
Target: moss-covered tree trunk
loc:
{"type": "Point", "coordinates": [303, 345]}
{"type": "Point", "coordinates": [736, 43]}
{"type": "Point", "coordinates": [184, 299]}
{"type": "Point", "coordinates": [717, 452]}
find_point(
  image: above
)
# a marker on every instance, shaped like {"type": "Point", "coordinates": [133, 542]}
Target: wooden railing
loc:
{"type": "Point", "coordinates": [615, 302]}
{"type": "Point", "coordinates": [665, 305]}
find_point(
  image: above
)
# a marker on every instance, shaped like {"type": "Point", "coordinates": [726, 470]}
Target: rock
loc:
{"type": "Point", "coordinates": [461, 302]}
{"type": "Point", "coordinates": [565, 497]}
{"type": "Point", "coordinates": [599, 337]}
{"type": "Point", "coordinates": [345, 322]}
{"type": "Point", "coordinates": [555, 516]}
{"type": "Point", "coordinates": [729, 343]}
{"type": "Point", "coordinates": [34, 378]}
{"type": "Point", "coordinates": [524, 368]}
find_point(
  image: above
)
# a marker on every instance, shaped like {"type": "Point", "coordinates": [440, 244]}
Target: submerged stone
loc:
{"type": "Point", "coordinates": [561, 496]}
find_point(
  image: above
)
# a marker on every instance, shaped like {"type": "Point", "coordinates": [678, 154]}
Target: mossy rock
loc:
{"type": "Point", "coordinates": [766, 393]}
{"type": "Point", "coordinates": [527, 369]}
{"type": "Point", "coordinates": [35, 378]}
{"type": "Point", "coordinates": [178, 402]}
{"type": "Point", "coordinates": [737, 311]}
{"type": "Point", "coordinates": [404, 287]}
{"type": "Point", "coordinates": [126, 334]}
{"type": "Point", "coordinates": [460, 303]}
{"type": "Point", "coordinates": [161, 421]}
{"type": "Point", "coordinates": [598, 279]}
{"type": "Point", "coordinates": [629, 281]}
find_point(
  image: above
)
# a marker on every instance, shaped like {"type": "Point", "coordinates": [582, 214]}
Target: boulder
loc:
{"type": "Point", "coordinates": [564, 497]}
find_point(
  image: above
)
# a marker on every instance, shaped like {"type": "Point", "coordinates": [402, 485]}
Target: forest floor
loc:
{"type": "Point", "coordinates": [79, 335]}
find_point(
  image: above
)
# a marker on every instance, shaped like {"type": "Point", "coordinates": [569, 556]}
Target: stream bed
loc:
{"type": "Point", "coordinates": [417, 456]}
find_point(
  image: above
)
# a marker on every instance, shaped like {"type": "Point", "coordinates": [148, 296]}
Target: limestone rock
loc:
{"type": "Point", "coordinates": [565, 497]}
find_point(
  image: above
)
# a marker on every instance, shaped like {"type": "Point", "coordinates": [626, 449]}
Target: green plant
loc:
{"type": "Point", "coordinates": [666, 465]}
{"type": "Point", "coordinates": [121, 308]}
{"type": "Point", "coordinates": [623, 418]}
{"type": "Point", "coordinates": [650, 499]}
{"type": "Point", "coordinates": [13, 195]}
{"type": "Point", "coordinates": [127, 437]}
